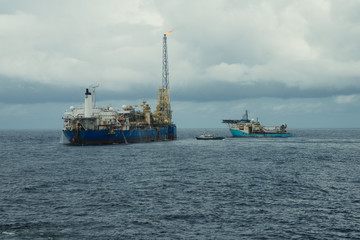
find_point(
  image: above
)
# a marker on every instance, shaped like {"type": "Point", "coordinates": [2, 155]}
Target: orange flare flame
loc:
{"type": "Point", "coordinates": [168, 32]}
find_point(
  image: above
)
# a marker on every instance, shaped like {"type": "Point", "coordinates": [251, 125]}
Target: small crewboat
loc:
{"type": "Point", "coordinates": [206, 136]}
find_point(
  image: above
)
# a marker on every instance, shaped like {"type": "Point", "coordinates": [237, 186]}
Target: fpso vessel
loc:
{"type": "Point", "coordinates": [251, 128]}
{"type": "Point", "coordinates": [94, 125]}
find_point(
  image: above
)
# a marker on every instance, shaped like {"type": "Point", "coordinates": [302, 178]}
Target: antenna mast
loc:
{"type": "Point", "coordinates": [93, 86]}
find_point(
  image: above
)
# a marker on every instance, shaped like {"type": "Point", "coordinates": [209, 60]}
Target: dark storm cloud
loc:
{"type": "Point", "coordinates": [21, 92]}
{"type": "Point", "coordinates": [225, 91]}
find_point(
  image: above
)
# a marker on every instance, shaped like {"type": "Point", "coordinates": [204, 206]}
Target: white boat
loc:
{"type": "Point", "coordinates": [206, 136]}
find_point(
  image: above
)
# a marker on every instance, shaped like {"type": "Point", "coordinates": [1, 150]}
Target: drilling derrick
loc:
{"type": "Point", "coordinates": [163, 110]}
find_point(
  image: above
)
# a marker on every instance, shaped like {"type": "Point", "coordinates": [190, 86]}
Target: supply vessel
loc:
{"type": "Point", "coordinates": [105, 125]}
{"type": "Point", "coordinates": [251, 128]}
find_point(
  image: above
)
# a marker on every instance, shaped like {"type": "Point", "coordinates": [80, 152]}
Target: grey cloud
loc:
{"type": "Point", "coordinates": [235, 32]}
{"type": "Point", "coordinates": [21, 92]}
{"type": "Point", "coordinates": [224, 91]}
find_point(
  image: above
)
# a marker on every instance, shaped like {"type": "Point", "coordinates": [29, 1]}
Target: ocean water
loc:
{"type": "Point", "coordinates": [305, 187]}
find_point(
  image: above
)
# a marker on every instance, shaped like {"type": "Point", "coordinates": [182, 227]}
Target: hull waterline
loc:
{"type": "Point", "coordinates": [96, 137]}
{"type": "Point", "coordinates": [238, 133]}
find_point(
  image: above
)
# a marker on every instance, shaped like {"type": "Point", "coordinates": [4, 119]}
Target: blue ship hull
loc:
{"type": "Point", "coordinates": [238, 133]}
{"type": "Point", "coordinates": [94, 137]}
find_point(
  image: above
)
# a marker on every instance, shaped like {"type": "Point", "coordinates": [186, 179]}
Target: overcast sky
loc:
{"type": "Point", "coordinates": [285, 61]}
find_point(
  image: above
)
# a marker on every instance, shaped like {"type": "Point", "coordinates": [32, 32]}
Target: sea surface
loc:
{"type": "Point", "coordinates": [305, 187]}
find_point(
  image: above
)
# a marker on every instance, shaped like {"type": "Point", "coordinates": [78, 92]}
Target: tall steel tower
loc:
{"type": "Point", "coordinates": [163, 109]}
{"type": "Point", "coordinates": [165, 66]}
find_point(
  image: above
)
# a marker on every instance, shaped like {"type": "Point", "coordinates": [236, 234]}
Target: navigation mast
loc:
{"type": "Point", "coordinates": [93, 86]}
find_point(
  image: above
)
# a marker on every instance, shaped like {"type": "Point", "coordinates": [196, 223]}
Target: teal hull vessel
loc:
{"type": "Point", "coordinates": [238, 133]}
{"type": "Point", "coordinates": [251, 128]}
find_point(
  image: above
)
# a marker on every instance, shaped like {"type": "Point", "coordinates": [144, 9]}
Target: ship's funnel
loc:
{"type": "Point", "coordinates": [88, 104]}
